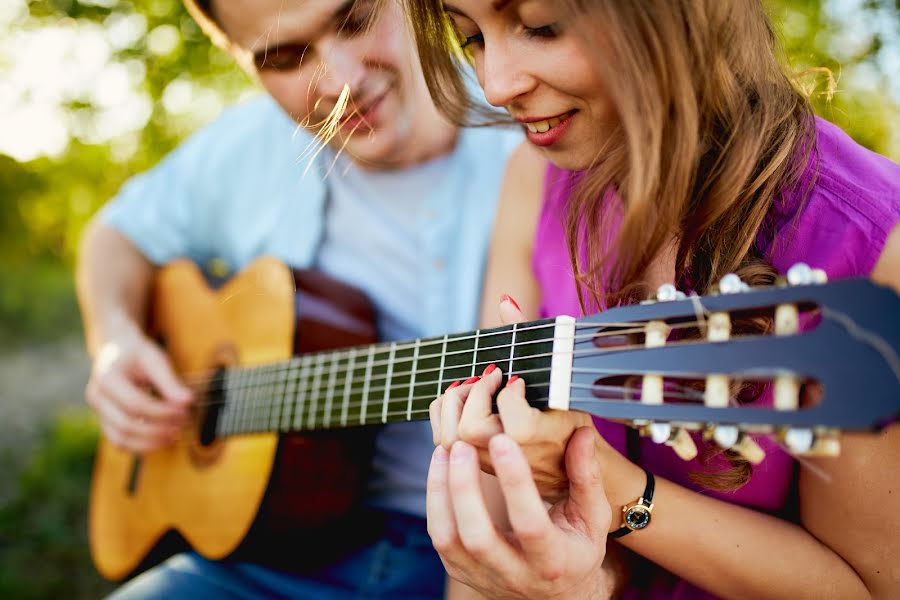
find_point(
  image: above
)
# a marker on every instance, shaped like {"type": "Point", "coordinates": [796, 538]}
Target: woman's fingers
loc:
{"type": "Point", "coordinates": [518, 418]}
{"type": "Point", "coordinates": [509, 310]}
{"type": "Point", "coordinates": [477, 424]}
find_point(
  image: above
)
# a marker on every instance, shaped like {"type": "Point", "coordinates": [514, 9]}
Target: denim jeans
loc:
{"type": "Point", "coordinates": [400, 564]}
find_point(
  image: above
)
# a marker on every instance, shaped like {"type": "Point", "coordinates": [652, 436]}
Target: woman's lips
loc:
{"type": "Point", "coordinates": [547, 132]}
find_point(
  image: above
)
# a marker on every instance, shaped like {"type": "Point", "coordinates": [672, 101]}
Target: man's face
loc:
{"type": "Point", "coordinates": [306, 51]}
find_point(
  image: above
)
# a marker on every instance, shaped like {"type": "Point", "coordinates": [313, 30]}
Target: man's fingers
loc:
{"type": "Point", "coordinates": [476, 529]}
{"type": "Point", "coordinates": [157, 369]}
{"type": "Point", "coordinates": [138, 403]}
{"type": "Point", "coordinates": [540, 541]}
{"type": "Point", "coordinates": [477, 424]}
{"type": "Point", "coordinates": [587, 498]}
{"type": "Point", "coordinates": [130, 433]}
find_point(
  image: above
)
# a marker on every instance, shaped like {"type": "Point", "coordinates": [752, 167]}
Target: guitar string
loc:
{"type": "Point", "coordinates": [267, 385]}
{"type": "Point", "coordinates": [262, 408]}
{"type": "Point", "coordinates": [294, 362]}
{"type": "Point", "coordinates": [273, 372]}
{"type": "Point", "coordinates": [262, 413]}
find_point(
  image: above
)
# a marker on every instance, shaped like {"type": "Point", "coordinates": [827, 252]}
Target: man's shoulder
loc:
{"type": "Point", "coordinates": [258, 121]}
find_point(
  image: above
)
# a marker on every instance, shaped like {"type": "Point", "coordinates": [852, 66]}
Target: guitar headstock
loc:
{"type": "Point", "coordinates": [829, 361]}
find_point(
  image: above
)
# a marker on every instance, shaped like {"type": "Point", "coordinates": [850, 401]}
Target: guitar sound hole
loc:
{"type": "Point", "coordinates": [211, 407]}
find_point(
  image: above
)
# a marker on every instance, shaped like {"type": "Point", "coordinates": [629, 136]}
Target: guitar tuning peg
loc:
{"type": "Point", "coordinates": [819, 276]}
{"type": "Point", "coordinates": [731, 284]}
{"type": "Point", "coordinates": [731, 438]}
{"type": "Point", "coordinates": [800, 274]}
{"type": "Point", "coordinates": [805, 442]}
{"type": "Point", "coordinates": [683, 444]}
{"type": "Point", "coordinates": [659, 432]}
{"type": "Point", "coordinates": [666, 293]}
{"type": "Point", "coordinates": [798, 441]}
{"type": "Point", "coordinates": [678, 439]}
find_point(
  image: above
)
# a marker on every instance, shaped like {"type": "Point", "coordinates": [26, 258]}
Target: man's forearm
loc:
{"type": "Point", "coordinates": [113, 282]}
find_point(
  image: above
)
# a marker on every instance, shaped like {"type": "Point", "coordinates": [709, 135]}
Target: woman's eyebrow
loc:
{"type": "Point", "coordinates": [496, 5]}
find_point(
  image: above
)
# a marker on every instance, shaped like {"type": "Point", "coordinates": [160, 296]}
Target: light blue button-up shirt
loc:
{"type": "Point", "coordinates": [242, 188]}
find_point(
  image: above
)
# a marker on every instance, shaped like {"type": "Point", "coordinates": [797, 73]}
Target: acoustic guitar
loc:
{"type": "Point", "coordinates": [668, 367]}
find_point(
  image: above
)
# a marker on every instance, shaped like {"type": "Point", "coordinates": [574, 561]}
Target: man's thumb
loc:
{"type": "Point", "coordinates": [586, 493]}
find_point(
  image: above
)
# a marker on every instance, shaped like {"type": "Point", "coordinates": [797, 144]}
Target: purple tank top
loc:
{"type": "Point", "coordinates": [841, 227]}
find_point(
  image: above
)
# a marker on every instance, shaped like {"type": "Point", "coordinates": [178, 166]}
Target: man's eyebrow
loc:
{"type": "Point", "coordinates": [338, 16]}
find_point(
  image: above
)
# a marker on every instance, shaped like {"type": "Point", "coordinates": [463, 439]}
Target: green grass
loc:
{"type": "Point", "coordinates": [43, 521]}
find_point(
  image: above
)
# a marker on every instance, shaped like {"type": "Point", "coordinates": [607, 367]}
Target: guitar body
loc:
{"type": "Point", "coordinates": [212, 493]}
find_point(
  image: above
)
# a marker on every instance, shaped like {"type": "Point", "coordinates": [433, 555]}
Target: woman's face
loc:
{"type": "Point", "coordinates": [530, 61]}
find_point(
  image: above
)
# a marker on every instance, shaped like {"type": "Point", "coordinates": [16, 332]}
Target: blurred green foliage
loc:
{"type": "Point", "coordinates": [43, 533]}
{"type": "Point", "coordinates": [45, 202]}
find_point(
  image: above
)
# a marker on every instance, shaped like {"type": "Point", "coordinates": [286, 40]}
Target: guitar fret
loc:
{"type": "Point", "coordinates": [345, 404]}
{"type": "Point", "coordinates": [412, 380]}
{"type": "Point", "coordinates": [387, 382]}
{"type": "Point", "coordinates": [512, 351]}
{"type": "Point", "coordinates": [223, 427]}
{"type": "Point", "coordinates": [244, 400]}
{"type": "Point", "coordinates": [329, 394]}
{"type": "Point", "coordinates": [314, 392]}
{"type": "Point", "coordinates": [475, 352]}
{"type": "Point", "coordinates": [365, 393]}
{"type": "Point", "coordinates": [440, 379]}
{"type": "Point", "coordinates": [302, 386]}
{"type": "Point", "coordinates": [289, 399]}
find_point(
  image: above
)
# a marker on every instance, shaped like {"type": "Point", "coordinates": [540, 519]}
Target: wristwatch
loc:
{"type": "Point", "coordinates": [637, 515]}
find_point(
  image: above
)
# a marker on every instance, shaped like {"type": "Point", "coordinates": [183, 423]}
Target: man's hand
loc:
{"type": "Point", "coordinates": [137, 396]}
{"type": "Point", "coordinates": [555, 554]}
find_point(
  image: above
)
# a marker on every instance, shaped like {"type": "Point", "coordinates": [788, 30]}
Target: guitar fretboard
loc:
{"type": "Point", "coordinates": [378, 384]}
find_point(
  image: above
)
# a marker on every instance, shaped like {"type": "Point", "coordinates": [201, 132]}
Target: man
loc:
{"type": "Point", "coordinates": [400, 205]}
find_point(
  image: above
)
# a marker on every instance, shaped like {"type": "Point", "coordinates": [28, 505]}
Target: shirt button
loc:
{"type": "Point", "coordinates": [438, 264]}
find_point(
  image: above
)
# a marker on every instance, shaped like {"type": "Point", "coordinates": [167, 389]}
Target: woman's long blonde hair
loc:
{"type": "Point", "coordinates": [711, 131]}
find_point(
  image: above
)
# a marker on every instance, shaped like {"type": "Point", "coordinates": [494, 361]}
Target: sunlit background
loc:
{"type": "Point", "coordinates": [93, 91]}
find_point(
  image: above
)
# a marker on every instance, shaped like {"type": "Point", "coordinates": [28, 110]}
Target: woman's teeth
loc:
{"type": "Point", "coordinates": [542, 126]}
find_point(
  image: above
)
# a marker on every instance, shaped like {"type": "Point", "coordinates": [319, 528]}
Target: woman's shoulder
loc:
{"type": "Point", "coordinates": [841, 212]}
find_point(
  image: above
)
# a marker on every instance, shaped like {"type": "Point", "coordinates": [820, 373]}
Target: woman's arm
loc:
{"type": "Point", "coordinates": [848, 542]}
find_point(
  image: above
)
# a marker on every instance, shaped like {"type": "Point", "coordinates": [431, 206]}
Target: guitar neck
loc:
{"type": "Point", "coordinates": [377, 384]}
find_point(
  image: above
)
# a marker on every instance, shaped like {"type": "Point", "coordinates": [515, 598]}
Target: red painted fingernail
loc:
{"type": "Point", "coordinates": [508, 298]}
{"type": "Point", "coordinates": [456, 383]}
{"type": "Point", "coordinates": [489, 369]}
{"type": "Point", "coordinates": [471, 379]}
{"type": "Point", "coordinates": [511, 380]}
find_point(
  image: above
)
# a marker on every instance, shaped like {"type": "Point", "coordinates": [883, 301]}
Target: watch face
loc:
{"type": "Point", "coordinates": [637, 517]}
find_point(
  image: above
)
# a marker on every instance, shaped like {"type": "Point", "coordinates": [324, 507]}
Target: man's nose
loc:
{"type": "Point", "coordinates": [340, 65]}
{"type": "Point", "coordinates": [504, 75]}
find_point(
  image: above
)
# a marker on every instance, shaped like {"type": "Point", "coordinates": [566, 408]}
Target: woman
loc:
{"type": "Point", "coordinates": [665, 145]}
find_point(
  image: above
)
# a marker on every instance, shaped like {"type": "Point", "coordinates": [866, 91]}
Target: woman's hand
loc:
{"type": "Point", "coordinates": [463, 413]}
{"type": "Point", "coordinates": [555, 554]}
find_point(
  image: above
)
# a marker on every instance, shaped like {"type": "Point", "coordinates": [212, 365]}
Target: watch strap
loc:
{"type": "Point", "coordinates": [646, 499]}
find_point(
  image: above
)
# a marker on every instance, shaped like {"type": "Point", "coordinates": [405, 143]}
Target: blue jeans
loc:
{"type": "Point", "coordinates": [400, 564]}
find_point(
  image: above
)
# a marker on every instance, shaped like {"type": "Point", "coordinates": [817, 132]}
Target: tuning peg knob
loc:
{"type": "Point", "coordinates": [731, 438]}
{"type": "Point", "coordinates": [659, 432]}
{"type": "Point", "coordinates": [799, 441]}
{"type": "Point", "coordinates": [732, 284]}
{"type": "Point", "coordinates": [800, 274]}
{"type": "Point", "coordinates": [666, 293]}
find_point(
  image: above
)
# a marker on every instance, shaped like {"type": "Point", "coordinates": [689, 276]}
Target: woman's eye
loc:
{"type": "Point", "coordinates": [478, 38]}
{"type": "Point", "coordinates": [282, 58]}
{"type": "Point", "coordinates": [546, 31]}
